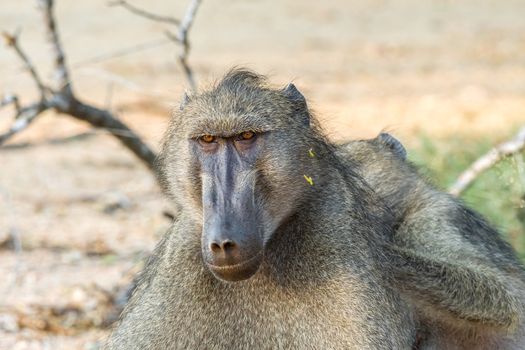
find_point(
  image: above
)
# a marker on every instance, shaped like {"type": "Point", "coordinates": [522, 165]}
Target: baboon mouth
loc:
{"type": "Point", "coordinates": [237, 272]}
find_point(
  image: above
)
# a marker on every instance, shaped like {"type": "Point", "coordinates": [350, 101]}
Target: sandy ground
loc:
{"type": "Point", "coordinates": [87, 211]}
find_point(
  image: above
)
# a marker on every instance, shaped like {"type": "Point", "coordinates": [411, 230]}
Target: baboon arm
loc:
{"type": "Point", "coordinates": [470, 293]}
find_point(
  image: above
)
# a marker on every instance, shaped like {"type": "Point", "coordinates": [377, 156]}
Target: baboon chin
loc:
{"type": "Point", "coordinates": [238, 271]}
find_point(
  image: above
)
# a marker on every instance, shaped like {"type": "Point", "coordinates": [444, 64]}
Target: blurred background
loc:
{"type": "Point", "coordinates": [79, 212]}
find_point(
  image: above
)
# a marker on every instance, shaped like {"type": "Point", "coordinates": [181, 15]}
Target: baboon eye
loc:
{"type": "Point", "coordinates": [247, 135]}
{"type": "Point", "coordinates": [207, 138]}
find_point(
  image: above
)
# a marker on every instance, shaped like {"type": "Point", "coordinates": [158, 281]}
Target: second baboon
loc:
{"type": "Point", "coordinates": [466, 282]}
{"type": "Point", "coordinates": [277, 244]}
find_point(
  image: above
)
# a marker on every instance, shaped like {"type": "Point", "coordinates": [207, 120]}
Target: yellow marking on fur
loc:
{"type": "Point", "coordinates": [311, 152]}
{"type": "Point", "coordinates": [309, 180]}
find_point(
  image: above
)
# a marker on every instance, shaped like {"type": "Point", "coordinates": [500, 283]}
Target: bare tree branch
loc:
{"type": "Point", "coordinates": [64, 101]}
{"type": "Point", "coordinates": [104, 119]}
{"type": "Point", "coordinates": [8, 99]}
{"type": "Point", "coordinates": [12, 41]}
{"type": "Point", "coordinates": [61, 71]}
{"type": "Point", "coordinates": [143, 13]}
{"type": "Point", "coordinates": [23, 118]}
{"type": "Point", "coordinates": [183, 59]}
{"type": "Point", "coordinates": [488, 160]}
{"type": "Point", "coordinates": [24, 115]}
{"type": "Point", "coordinates": [181, 36]}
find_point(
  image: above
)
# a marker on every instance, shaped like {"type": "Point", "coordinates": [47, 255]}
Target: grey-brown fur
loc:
{"type": "Point", "coordinates": [465, 281]}
{"type": "Point", "coordinates": [324, 280]}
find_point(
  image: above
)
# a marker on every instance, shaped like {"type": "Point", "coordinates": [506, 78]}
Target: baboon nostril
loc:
{"type": "Point", "coordinates": [215, 247]}
{"type": "Point", "coordinates": [225, 246]}
{"type": "Point", "coordinates": [228, 246]}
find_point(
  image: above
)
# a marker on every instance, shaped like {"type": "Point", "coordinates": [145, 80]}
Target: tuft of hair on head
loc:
{"type": "Point", "coordinates": [394, 144]}
{"type": "Point", "coordinates": [241, 77]}
{"type": "Point", "coordinates": [185, 100]}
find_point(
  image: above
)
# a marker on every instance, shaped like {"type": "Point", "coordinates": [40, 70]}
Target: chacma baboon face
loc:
{"type": "Point", "coordinates": [235, 160]}
{"type": "Point", "coordinates": [232, 239]}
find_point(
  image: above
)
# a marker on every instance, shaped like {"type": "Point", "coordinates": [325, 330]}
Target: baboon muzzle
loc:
{"type": "Point", "coordinates": [232, 244]}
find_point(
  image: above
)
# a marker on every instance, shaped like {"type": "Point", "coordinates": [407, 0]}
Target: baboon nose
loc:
{"type": "Point", "coordinates": [226, 247]}
{"type": "Point", "coordinates": [230, 258]}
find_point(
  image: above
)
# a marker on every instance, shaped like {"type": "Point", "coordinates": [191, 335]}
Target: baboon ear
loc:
{"type": "Point", "coordinates": [394, 144]}
{"type": "Point", "coordinates": [185, 101]}
{"type": "Point", "coordinates": [299, 102]}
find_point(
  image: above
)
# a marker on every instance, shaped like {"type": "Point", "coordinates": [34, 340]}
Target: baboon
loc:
{"type": "Point", "coordinates": [466, 283]}
{"type": "Point", "coordinates": [277, 244]}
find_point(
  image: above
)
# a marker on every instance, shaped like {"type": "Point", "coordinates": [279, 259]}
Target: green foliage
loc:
{"type": "Point", "coordinates": [498, 194]}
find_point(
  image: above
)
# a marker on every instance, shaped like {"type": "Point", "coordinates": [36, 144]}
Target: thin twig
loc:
{"type": "Point", "coordinates": [128, 84]}
{"type": "Point", "coordinates": [12, 41]}
{"type": "Point", "coordinates": [183, 59]}
{"type": "Point", "coordinates": [121, 52]}
{"type": "Point", "coordinates": [23, 118]}
{"type": "Point", "coordinates": [9, 99]}
{"type": "Point", "coordinates": [182, 35]}
{"type": "Point", "coordinates": [61, 71]}
{"type": "Point", "coordinates": [53, 141]}
{"type": "Point", "coordinates": [146, 14]}
{"type": "Point", "coordinates": [71, 138]}
{"type": "Point", "coordinates": [488, 160]}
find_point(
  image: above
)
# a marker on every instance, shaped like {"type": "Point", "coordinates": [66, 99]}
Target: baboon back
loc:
{"type": "Point", "coordinates": [465, 280]}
